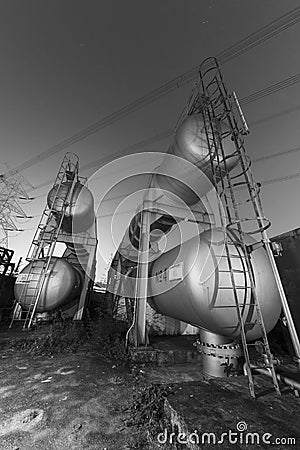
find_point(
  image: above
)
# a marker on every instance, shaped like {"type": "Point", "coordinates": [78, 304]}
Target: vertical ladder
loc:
{"type": "Point", "coordinates": [217, 108]}
{"type": "Point", "coordinates": [41, 249]}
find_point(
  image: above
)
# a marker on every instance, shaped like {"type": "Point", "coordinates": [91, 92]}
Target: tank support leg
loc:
{"type": "Point", "coordinates": [137, 333]}
{"type": "Point", "coordinates": [87, 277]}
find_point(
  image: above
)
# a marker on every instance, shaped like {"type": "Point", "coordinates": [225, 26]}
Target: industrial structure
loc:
{"type": "Point", "coordinates": [51, 283]}
{"type": "Point", "coordinates": [288, 262]}
{"type": "Point", "coordinates": [7, 281]}
{"type": "Point", "coordinates": [224, 280]}
{"type": "Point", "coordinates": [12, 189]}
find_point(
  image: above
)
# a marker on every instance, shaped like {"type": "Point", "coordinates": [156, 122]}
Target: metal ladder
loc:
{"type": "Point", "coordinates": [218, 107]}
{"type": "Point", "coordinates": [41, 249]}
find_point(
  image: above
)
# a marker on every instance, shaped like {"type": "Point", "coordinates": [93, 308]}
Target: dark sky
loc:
{"type": "Point", "coordinates": [66, 64]}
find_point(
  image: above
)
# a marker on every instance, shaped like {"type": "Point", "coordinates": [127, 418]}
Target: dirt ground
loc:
{"type": "Point", "coordinates": [76, 401]}
{"type": "Point", "coordinates": [224, 407]}
{"type": "Point", "coordinates": [64, 402]}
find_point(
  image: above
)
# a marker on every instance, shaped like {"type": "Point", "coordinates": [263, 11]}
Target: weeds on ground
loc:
{"type": "Point", "coordinates": [109, 336]}
{"type": "Point", "coordinates": [147, 407]}
{"type": "Point", "coordinates": [63, 336]}
{"type": "Point", "coordinates": [103, 334]}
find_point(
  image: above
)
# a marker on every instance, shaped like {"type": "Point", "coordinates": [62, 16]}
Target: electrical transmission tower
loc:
{"type": "Point", "coordinates": [12, 189]}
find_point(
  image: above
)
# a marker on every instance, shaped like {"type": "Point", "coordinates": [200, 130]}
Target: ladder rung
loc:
{"type": "Point", "coordinates": [240, 306]}
{"type": "Point", "coordinates": [234, 270]}
{"type": "Point", "coordinates": [45, 234]}
{"type": "Point", "coordinates": [231, 256]}
{"type": "Point", "coordinates": [235, 287]}
{"type": "Point", "coordinates": [248, 304]}
{"type": "Point", "coordinates": [254, 344]}
{"type": "Point", "coordinates": [263, 366]}
{"type": "Point", "coordinates": [217, 106]}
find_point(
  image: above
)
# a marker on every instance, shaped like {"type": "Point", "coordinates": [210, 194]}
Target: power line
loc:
{"type": "Point", "coordinates": [264, 33]}
{"type": "Point", "coordinates": [168, 133]}
{"type": "Point", "coordinates": [131, 148]}
{"type": "Point", "coordinates": [287, 82]}
{"type": "Point", "coordinates": [275, 116]}
{"type": "Point", "coordinates": [281, 179]}
{"type": "Point", "coordinates": [275, 155]}
{"type": "Point", "coordinates": [263, 183]}
{"type": "Point", "coordinates": [127, 150]}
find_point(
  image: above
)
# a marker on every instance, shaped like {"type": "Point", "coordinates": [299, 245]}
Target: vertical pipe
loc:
{"type": "Point", "coordinates": [137, 333]}
{"type": "Point", "coordinates": [18, 265]}
{"type": "Point", "coordinates": [87, 277]}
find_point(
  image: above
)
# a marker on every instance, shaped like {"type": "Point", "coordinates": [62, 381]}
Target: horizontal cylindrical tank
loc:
{"type": "Point", "coordinates": [62, 284]}
{"type": "Point", "coordinates": [79, 215]}
{"type": "Point", "coordinates": [185, 172]}
{"type": "Point", "coordinates": [192, 283]}
{"type": "Point", "coordinates": [190, 144]}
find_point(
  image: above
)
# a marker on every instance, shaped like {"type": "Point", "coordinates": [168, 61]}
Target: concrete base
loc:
{"type": "Point", "coordinates": [166, 351]}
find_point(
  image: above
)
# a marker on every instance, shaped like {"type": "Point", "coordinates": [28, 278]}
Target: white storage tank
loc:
{"type": "Point", "coordinates": [192, 283]}
{"type": "Point", "coordinates": [79, 216]}
{"type": "Point", "coordinates": [62, 285]}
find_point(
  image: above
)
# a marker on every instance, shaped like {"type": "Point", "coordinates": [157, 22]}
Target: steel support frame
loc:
{"type": "Point", "coordinates": [137, 333]}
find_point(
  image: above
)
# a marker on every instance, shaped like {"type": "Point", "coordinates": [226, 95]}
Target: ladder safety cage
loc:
{"type": "Point", "coordinates": [218, 108]}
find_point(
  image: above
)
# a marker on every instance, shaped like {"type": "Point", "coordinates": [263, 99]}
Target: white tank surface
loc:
{"type": "Point", "coordinates": [185, 174]}
{"type": "Point", "coordinates": [194, 285]}
{"type": "Point", "coordinates": [190, 146]}
{"type": "Point", "coordinates": [79, 216]}
{"type": "Point", "coordinates": [61, 286]}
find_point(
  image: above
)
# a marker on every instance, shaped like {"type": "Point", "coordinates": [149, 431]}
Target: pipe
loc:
{"type": "Point", "coordinates": [290, 382]}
